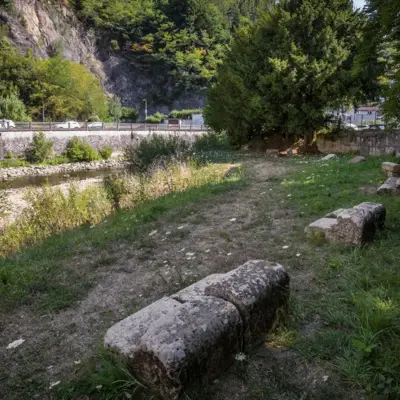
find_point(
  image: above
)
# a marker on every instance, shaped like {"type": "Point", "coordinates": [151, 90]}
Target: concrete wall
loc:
{"type": "Point", "coordinates": [368, 143]}
{"type": "Point", "coordinates": [17, 142]}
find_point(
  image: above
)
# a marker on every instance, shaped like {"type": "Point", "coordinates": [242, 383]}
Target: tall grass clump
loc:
{"type": "Point", "coordinates": [50, 212]}
{"type": "Point", "coordinates": [154, 148]}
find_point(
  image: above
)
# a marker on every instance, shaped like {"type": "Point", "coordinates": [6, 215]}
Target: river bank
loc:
{"type": "Point", "coordinates": [8, 174]}
{"type": "Point", "coordinates": [16, 198]}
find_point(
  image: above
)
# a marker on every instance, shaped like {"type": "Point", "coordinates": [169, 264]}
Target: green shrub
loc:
{"type": "Point", "coordinates": [115, 187]}
{"type": "Point", "coordinates": [129, 114]}
{"type": "Point", "coordinates": [80, 151]}
{"type": "Point", "coordinates": [156, 118]}
{"type": "Point", "coordinates": [154, 148]}
{"type": "Point", "coordinates": [9, 155]}
{"type": "Point", "coordinates": [185, 114]}
{"type": "Point", "coordinates": [212, 141]}
{"type": "Point", "coordinates": [105, 152]}
{"type": "Point", "coordinates": [39, 150]}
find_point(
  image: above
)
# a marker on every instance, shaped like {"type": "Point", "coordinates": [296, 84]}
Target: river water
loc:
{"type": "Point", "coordinates": [54, 179]}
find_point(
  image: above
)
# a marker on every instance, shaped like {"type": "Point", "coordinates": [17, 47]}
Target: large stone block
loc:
{"type": "Point", "coordinates": [171, 344]}
{"type": "Point", "coordinates": [391, 169]}
{"type": "Point", "coordinates": [353, 226]}
{"type": "Point", "coordinates": [391, 186]}
{"type": "Point", "coordinates": [259, 290]}
{"type": "Point", "coordinates": [192, 336]}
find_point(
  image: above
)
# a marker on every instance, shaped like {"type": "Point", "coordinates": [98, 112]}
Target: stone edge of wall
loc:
{"type": "Point", "coordinates": [366, 143]}
{"type": "Point", "coordinates": [17, 142]}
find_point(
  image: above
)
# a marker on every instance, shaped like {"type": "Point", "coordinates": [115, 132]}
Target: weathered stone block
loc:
{"type": "Point", "coordinates": [171, 344]}
{"type": "Point", "coordinates": [322, 229]}
{"type": "Point", "coordinates": [192, 336]}
{"type": "Point", "coordinates": [352, 226]}
{"type": "Point", "coordinates": [259, 290]}
{"type": "Point", "coordinates": [391, 169]}
{"type": "Point", "coordinates": [391, 186]}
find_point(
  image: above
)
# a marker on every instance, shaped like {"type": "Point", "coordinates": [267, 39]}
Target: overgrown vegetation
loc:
{"type": "Point", "coordinates": [39, 150]}
{"type": "Point", "coordinates": [184, 114]}
{"type": "Point", "coordinates": [52, 211]}
{"type": "Point", "coordinates": [154, 149]}
{"type": "Point", "coordinates": [105, 152]}
{"type": "Point", "coordinates": [81, 151]}
{"type": "Point", "coordinates": [186, 37]}
{"type": "Point", "coordinates": [53, 87]}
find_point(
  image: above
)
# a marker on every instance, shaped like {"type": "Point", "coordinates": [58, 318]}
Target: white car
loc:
{"type": "Point", "coordinates": [68, 125]}
{"type": "Point", "coordinates": [6, 124]}
{"type": "Point", "coordinates": [347, 125]}
{"type": "Point", "coordinates": [95, 125]}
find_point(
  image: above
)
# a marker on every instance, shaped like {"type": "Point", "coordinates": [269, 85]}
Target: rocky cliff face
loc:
{"type": "Point", "coordinates": [48, 28]}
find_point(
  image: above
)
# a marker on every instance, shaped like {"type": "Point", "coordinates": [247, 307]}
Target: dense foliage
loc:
{"type": "Point", "coordinates": [283, 72]}
{"type": "Point", "coordinates": [186, 36]}
{"type": "Point", "coordinates": [54, 88]}
{"type": "Point", "coordinates": [39, 150]}
{"type": "Point", "coordinates": [81, 151]}
{"type": "Point", "coordinates": [380, 53]}
{"type": "Point", "coordinates": [155, 149]}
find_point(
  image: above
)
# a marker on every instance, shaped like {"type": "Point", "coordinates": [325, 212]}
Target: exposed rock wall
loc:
{"type": "Point", "coordinates": [45, 27]}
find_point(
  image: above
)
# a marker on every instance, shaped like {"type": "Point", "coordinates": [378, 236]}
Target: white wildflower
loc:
{"type": "Point", "coordinates": [168, 233]}
{"type": "Point", "coordinates": [77, 362]}
{"type": "Point", "coordinates": [285, 247]}
{"type": "Point", "coordinates": [233, 220]}
{"type": "Point", "coordinates": [52, 384]}
{"type": "Point", "coordinates": [289, 195]}
{"type": "Point", "coordinates": [180, 227]}
{"type": "Point", "coordinates": [240, 357]}
{"type": "Point", "coordinates": [15, 344]}
{"type": "Point", "coordinates": [98, 387]}
{"type": "Point", "coordinates": [298, 255]}
{"type": "Point", "coordinates": [325, 378]}
{"type": "Point", "coordinates": [152, 233]}
{"type": "Point", "coordinates": [207, 251]}
{"type": "Point", "coordinates": [229, 254]}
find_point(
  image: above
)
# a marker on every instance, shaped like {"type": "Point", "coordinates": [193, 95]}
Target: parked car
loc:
{"type": "Point", "coordinates": [68, 125]}
{"type": "Point", "coordinates": [347, 125]}
{"type": "Point", "coordinates": [95, 125]}
{"type": "Point", "coordinates": [6, 124]}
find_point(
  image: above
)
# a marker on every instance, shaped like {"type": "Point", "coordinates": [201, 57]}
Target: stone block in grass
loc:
{"type": "Point", "coordinates": [191, 337]}
{"type": "Point", "coordinates": [354, 226]}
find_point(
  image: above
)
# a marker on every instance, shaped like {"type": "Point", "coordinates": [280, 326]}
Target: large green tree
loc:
{"type": "Point", "coordinates": [380, 53]}
{"type": "Point", "coordinates": [283, 72]}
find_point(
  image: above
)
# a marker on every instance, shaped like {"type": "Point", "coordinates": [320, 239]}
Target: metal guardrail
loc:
{"type": "Point", "coordinates": [105, 126]}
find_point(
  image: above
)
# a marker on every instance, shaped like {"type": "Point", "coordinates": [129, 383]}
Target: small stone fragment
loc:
{"type": "Point", "coordinates": [357, 160]}
{"type": "Point", "coordinates": [328, 157]}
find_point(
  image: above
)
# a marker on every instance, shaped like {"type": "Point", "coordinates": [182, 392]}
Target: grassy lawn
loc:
{"type": "Point", "coordinates": [341, 338]}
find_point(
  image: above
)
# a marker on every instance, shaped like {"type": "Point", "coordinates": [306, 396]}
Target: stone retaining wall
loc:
{"type": "Point", "coordinates": [17, 142]}
{"type": "Point", "coordinates": [366, 143]}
